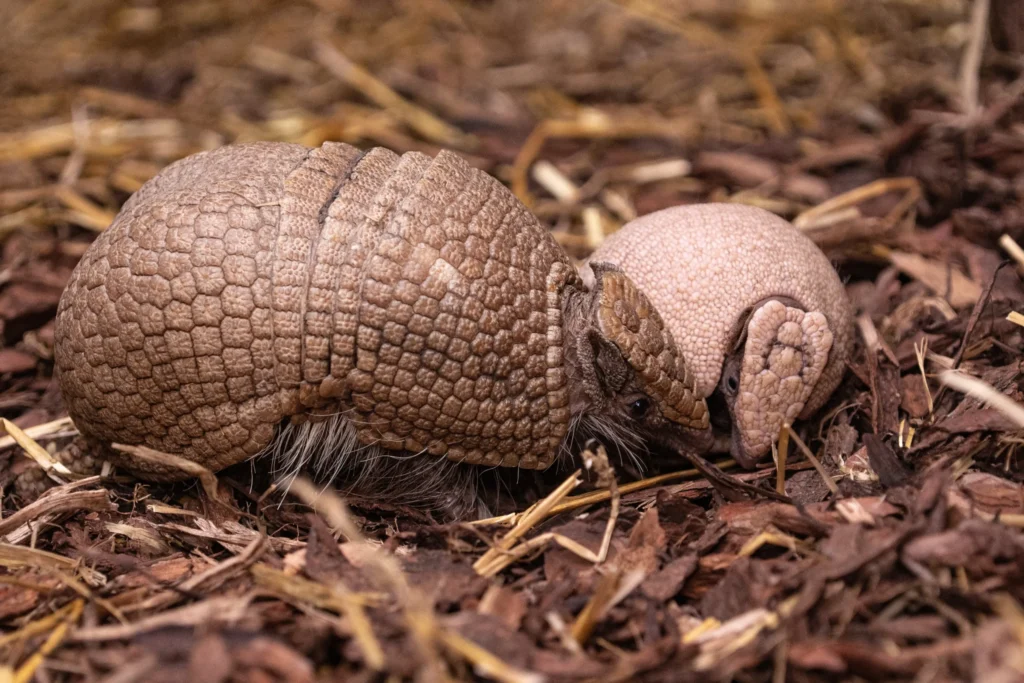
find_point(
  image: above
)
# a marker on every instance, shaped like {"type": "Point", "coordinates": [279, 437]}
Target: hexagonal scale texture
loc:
{"type": "Point", "coordinates": [262, 282]}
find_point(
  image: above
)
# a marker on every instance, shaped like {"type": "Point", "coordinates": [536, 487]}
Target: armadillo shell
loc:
{"type": "Point", "coordinates": [263, 282]}
{"type": "Point", "coordinates": [628, 320]}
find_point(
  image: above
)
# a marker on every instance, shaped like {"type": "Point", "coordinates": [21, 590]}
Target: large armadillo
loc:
{"type": "Point", "coordinates": [334, 306]}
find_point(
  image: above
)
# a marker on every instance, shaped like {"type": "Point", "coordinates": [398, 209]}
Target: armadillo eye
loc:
{"type": "Point", "coordinates": [639, 407]}
{"type": "Point", "coordinates": [730, 382]}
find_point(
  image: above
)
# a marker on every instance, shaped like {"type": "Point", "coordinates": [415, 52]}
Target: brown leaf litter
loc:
{"type": "Point", "coordinates": [890, 132]}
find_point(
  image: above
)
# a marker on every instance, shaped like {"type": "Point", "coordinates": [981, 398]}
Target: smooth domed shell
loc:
{"type": "Point", "coordinates": [704, 265]}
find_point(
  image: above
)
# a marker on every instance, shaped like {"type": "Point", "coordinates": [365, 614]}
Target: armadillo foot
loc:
{"type": "Point", "coordinates": [82, 456]}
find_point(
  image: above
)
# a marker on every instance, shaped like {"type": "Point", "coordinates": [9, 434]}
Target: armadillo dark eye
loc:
{"type": "Point", "coordinates": [639, 407]}
{"type": "Point", "coordinates": [730, 382]}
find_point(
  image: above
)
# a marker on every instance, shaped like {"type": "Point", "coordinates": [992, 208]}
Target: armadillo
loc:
{"type": "Point", "coordinates": [756, 308]}
{"type": "Point", "coordinates": [339, 308]}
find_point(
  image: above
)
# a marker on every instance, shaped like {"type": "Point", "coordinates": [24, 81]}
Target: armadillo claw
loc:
{"type": "Point", "coordinates": [785, 353]}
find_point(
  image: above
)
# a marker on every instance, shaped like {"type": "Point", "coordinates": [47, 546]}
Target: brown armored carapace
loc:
{"type": "Point", "coordinates": [755, 307]}
{"type": "Point", "coordinates": [370, 315]}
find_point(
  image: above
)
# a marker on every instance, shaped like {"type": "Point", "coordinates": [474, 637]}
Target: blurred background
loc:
{"type": "Point", "coordinates": [593, 112]}
{"type": "Point", "coordinates": [782, 103]}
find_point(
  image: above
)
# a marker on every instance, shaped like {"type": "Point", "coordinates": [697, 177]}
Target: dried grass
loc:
{"type": "Point", "coordinates": [800, 108]}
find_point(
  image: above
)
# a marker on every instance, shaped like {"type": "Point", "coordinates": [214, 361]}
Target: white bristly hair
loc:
{"type": "Point", "coordinates": [618, 438]}
{"type": "Point", "coordinates": [329, 450]}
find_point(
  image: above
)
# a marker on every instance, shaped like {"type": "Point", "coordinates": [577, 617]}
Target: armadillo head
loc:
{"type": "Point", "coordinates": [635, 382]}
{"type": "Point", "coordinates": [776, 361]}
{"type": "Point", "coordinates": [746, 296]}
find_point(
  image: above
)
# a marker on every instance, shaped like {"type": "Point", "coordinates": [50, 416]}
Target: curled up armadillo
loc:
{"type": "Point", "coordinates": [757, 309]}
{"type": "Point", "coordinates": [374, 317]}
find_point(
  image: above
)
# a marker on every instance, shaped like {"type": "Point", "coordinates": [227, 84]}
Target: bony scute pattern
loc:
{"type": "Point", "coordinates": [731, 281]}
{"type": "Point", "coordinates": [630, 321]}
{"type": "Point", "coordinates": [164, 336]}
{"type": "Point", "coordinates": [784, 355]}
{"type": "Point", "coordinates": [453, 336]}
{"type": "Point", "coordinates": [267, 283]}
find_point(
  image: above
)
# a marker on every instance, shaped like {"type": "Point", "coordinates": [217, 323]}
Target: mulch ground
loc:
{"type": "Point", "coordinates": [892, 132]}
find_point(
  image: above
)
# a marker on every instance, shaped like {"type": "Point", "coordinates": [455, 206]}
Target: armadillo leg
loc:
{"type": "Point", "coordinates": [452, 489]}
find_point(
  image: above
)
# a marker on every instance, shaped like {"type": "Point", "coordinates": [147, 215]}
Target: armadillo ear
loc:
{"type": "Point", "coordinates": [785, 352]}
{"type": "Point", "coordinates": [627, 319]}
{"type": "Point", "coordinates": [610, 368]}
